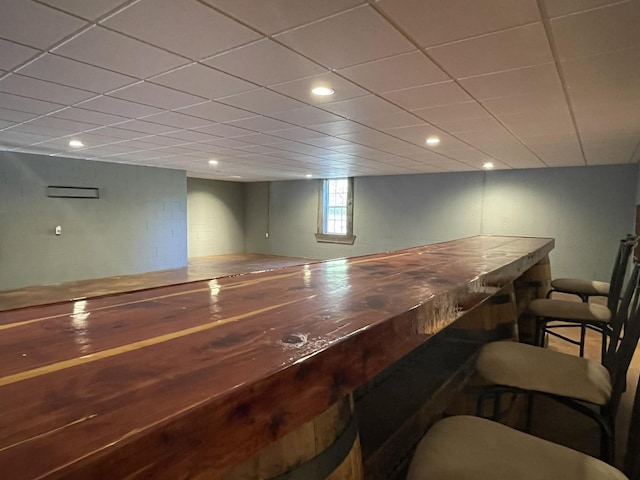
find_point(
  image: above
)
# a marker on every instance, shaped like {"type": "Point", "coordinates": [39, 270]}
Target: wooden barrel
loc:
{"type": "Point", "coordinates": [495, 319]}
{"type": "Point", "coordinates": [327, 447]}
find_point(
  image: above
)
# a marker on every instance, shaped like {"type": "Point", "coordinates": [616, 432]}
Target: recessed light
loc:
{"type": "Point", "coordinates": [308, 175]}
{"type": "Point", "coordinates": [323, 91]}
{"type": "Point", "coordinates": [213, 162]}
{"type": "Point", "coordinates": [488, 166]}
{"type": "Point", "coordinates": [433, 141]}
{"type": "Point", "coordinates": [76, 144]}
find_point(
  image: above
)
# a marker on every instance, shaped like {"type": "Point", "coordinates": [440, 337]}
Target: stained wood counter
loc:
{"type": "Point", "coordinates": [192, 379]}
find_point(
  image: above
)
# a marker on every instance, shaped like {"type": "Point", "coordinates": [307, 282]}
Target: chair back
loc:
{"type": "Point", "coordinates": [620, 351]}
{"type": "Point", "coordinates": [619, 271]}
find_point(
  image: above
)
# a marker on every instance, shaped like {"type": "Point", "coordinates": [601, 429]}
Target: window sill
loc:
{"type": "Point", "coordinates": [343, 239]}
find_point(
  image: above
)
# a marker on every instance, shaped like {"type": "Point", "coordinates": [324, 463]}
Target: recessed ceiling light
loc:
{"type": "Point", "coordinates": [308, 175]}
{"type": "Point", "coordinates": [323, 91]}
{"type": "Point", "coordinates": [213, 162]}
{"type": "Point", "coordinates": [433, 141]}
{"type": "Point", "coordinates": [488, 166]}
{"type": "Point", "coordinates": [76, 144]}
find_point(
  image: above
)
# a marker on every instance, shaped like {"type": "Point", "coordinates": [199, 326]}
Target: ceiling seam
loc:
{"type": "Point", "coordinates": [453, 78]}
{"type": "Point", "coordinates": [546, 22]}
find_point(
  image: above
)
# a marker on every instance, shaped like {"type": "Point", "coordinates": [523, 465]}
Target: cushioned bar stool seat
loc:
{"type": "Point", "coordinates": [533, 368]}
{"type": "Point", "coordinates": [552, 313]}
{"type": "Point", "coordinates": [587, 312]}
{"type": "Point", "coordinates": [593, 288]}
{"type": "Point", "coordinates": [581, 287]}
{"type": "Point", "coordinates": [568, 379]}
{"type": "Point", "coordinates": [472, 448]}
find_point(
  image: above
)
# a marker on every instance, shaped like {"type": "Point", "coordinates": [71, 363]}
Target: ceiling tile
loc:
{"type": "Point", "coordinates": [260, 123]}
{"type": "Point", "coordinates": [529, 124]}
{"type": "Point", "coordinates": [556, 8]}
{"type": "Point", "coordinates": [163, 140]}
{"type": "Point", "coordinates": [427, 96]}
{"type": "Point", "coordinates": [262, 101]}
{"type": "Point", "coordinates": [88, 116]}
{"type": "Point", "coordinates": [116, 106]}
{"type": "Point", "coordinates": [557, 150]}
{"type": "Point", "coordinates": [355, 36]}
{"type": "Point", "coordinates": [177, 120]}
{"type": "Point", "coordinates": [598, 78]}
{"type": "Point", "coordinates": [452, 112]}
{"type": "Point", "coordinates": [14, 116]}
{"type": "Point", "coordinates": [249, 61]}
{"type": "Point", "coordinates": [145, 127]}
{"type": "Point", "coordinates": [40, 90]}
{"type": "Point", "coordinates": [504, 50]}
{"type": "Point", "coordinates": [361, 107]}
{"type": "Point", "coordinates": [278, 15]}
{"type": "Point", "coordinates": [301, 89]}
{"type": "Point", "coordinates": [259, 143]}
{"type": "Point", "coordinates": [326, 141]}
{"type": "Point", "coordinates": [397, 72]}
{"type": "Point", "coordinates": [113, 51]}
{"type": "Point", "coordinates": [197, 31]}
{"type": "Point", "coordinates": [12, 54]}
{"type": "Point", "coordinates": [54, 68]}
{"type": "Point", "coordinates": [5, 123]}
{"type": "Point", "coordinates": [394, 120]}
{"type": "Point", "coordinates": [84, 9]}
{"type": "Point", "coordinates": [191, 136]}
{"type": "Point", "coordinates": [602, 117]}
{"type": "Point", "coordinates": [340, 128]}
{"type": "Point", "coordinates": [36, 25]}
{"type": "Point", "coordinates": [120, 133]}
{"type": "Point", "coordinates": [541, 79]}
{"type": "Point", "coordinates": [156, 96]}
{"type": "Point", "coordinates": [610, 148]}
{"type": "Point", "coordinates": [296, 133]}
{"type": "Point", "coordinates": [432, 22]}
{"type": "Point", "coordinates": [601, 30]}
{"type": "Point", "coordinates": [12, 138]}
{"type": "Point", "coordinates": [306, 116]}
{"type": "Point", "coordinates": [223, 130]}
{"type": "Point", "coordinates": [203, 81]}
{"type": "Point", "coordinates": [528, 102]}
{"type": "Point", "coordinates": [464, 124]}
{"type": "Point", "coordinates": [50, 132]}
{"type": "Point", "coordinates": [28, 105]}
{"type": "Point", "coordinates": [215, 111]}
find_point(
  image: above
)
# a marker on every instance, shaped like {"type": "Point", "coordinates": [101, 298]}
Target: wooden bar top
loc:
{"type": "Point", "coordinates": [192, 379]}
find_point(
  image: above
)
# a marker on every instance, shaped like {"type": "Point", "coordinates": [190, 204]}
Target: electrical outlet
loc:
{"type": "Point", "coordinates": [266, 235]}
{"type": "Point", "coordinates": [58, 230]}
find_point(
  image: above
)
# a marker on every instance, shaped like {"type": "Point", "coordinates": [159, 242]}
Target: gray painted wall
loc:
{"type": "Point", "coordinates": [586, 209]}
{"type": "Point", "coordinates": [138, 224]}
{"type": "Point", "coordinates": [215, 211]}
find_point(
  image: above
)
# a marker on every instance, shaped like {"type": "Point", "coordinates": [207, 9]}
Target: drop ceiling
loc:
{"type": "Point", "coordinates": [177, 83]}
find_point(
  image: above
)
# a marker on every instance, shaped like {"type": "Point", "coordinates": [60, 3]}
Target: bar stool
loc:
{"type": "Point", "coordinates": [587, 386]}
{"type": "Point", "coordinates": [471, 448]}
{"type": "Point", "coordinates": [584, 315]}
{"type": "Point", "coordinates": [586, 289]}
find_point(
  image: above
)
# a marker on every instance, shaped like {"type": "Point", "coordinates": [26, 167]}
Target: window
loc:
{"type": "Point", "coordinates": [335, 211]}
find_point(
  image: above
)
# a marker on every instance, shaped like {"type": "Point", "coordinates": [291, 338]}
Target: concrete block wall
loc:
{"type": "Point", "coordinates": [215, 217]}
{"type": "Point", "coordinates": [138, 224]}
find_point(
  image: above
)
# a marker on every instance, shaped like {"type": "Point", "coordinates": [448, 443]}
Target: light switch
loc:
{"type": "Point", "coordinates": [58, 230]}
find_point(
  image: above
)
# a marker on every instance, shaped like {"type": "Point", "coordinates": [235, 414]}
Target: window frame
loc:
{"type": "Point", "coordinates": [345, 239]}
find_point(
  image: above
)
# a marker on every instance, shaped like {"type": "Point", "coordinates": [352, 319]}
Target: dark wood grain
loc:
{"type": "Point", "coordinates": [198, 269]}
{"type": "Point", "coordinates": [198, 377]}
